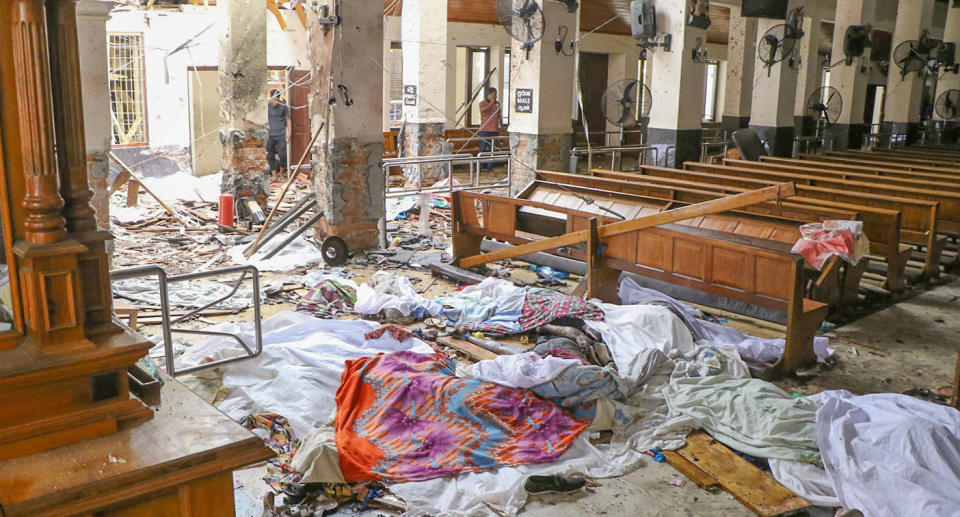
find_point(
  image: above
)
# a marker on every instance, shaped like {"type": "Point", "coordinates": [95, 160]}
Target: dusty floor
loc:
{"type": "Point", "coordinates": [910, 347]}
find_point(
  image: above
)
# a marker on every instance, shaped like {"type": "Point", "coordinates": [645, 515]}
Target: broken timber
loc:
{"type": "Point", "coordinates": [775, 192]}
{"type": "Point", "coordinates": [134, 177]}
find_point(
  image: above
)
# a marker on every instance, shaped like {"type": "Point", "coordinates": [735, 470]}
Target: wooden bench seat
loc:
{"type": "Point", "coordinates": [896, 156]}
{"type": "Point", "coordinates": [878, 162]}
{"type": "Point", "coordinates": [876, 171]}
{"type": "Point", "coordinates": [948, 215]}
{"type": "Point", "coordinates": [718, 265]}
{"type": "Point", "coordinates": [882, 218]}
{"type": "Point", "coordinates": [825, 286]}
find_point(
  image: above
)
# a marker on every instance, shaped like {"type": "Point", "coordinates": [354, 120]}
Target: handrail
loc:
{"type": "Point", "coordinates": [614, 152]}
{"type": "Point", "coordinates": [167, 324]}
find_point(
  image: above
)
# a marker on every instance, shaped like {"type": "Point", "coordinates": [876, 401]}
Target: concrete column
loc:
{"type": "Point", "coordinates": [850, 80]}
{"type": "Point", "coordinates": [243, 94]}
{"type": "Point", "coordinates": [950, 81]}
{"type": "Point", "coordinates": [347, 178]}
{"type": "Point", "coordinates": [810, 70]}
{"type": "Point", "coordinates": [902, 109]}
{"type": "Point", "coordinates": [677, 111]}
{"type": "Point", "coordinates": [774, 95]}
{"type": "Point", "coordinates": [542, 137]}
{"type": "Point", "coordinates": [741, 56]}
{"type": "Point", "coordinates": [425, 78]}
{"type": "Point", "coordinates": [95, 84]}
{"type": "Point", "coordinates": [619, 67]}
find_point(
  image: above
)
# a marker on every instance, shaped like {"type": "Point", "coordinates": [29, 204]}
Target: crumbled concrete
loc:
{"type": "Point", "coordinates": [531, 152]}
{"type": "Point", "coordinates": [422, 139]}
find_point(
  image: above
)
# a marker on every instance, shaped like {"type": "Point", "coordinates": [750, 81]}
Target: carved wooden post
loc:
{"type": "Point", "coordinates": [71, 155]}
{"type": "Point", "coordinates": [68, 115]}
{"type": "Point", "coordinates": [42, 201]}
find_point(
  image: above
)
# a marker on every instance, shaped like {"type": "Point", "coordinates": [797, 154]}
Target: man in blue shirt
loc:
{"type": "Point", "coordinates": [278, 114]}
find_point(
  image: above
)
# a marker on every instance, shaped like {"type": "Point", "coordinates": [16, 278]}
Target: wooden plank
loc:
{"type": "Point", "coordinates": [133, 192]}
{"type": "Point", "coordinates": [133, 176]}
{"type": "Point", "coordinates": [781, 191]}
{"type": "Point", "coordinates": [754, 488]}
{"type": "Point", "coordinates": [472, 351]}
{"type": "Point", "coordinates": [691, 471]}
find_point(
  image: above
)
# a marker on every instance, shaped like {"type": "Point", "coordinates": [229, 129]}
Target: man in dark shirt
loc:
{"type": "Point", "coordinates": [277, 115]}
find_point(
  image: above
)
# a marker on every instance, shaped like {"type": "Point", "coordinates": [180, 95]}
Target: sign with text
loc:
{"type": "Point", "coordinates": [409, 95]}
{"type": "Point", "coordinates": [523, 102]}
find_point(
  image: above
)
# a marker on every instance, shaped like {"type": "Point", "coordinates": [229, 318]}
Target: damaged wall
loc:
{"type": "Point", "coordinates": [168, 76]}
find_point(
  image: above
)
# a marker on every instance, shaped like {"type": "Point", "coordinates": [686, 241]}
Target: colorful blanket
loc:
{"type": "Point", "coordinates": [542, 306]}
{"type": "Point", "coordinates": [406, 417]}
{"type": "Point", "coordinates": [328, 299]}
{"type": "Point", "coordinates": [282, 441]}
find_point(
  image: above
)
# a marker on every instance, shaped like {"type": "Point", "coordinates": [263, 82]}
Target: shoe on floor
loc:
{"type": "Point", "coordinates": [553, 484]}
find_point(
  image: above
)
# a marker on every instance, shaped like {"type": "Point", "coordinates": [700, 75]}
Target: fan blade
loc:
{"type": "Point", "coordinates": [832, 95]}
{"type": "Point", "coordinates": [628, 92]}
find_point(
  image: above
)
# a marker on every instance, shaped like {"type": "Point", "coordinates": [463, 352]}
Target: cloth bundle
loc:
{"type": "Point", "coordinates": [820, 241]}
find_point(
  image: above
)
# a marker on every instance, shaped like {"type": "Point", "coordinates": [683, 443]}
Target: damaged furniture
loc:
{"type": "Point", "coordinates": [721, 266]}
{"type": "Point", "coordinates": [72, 438]}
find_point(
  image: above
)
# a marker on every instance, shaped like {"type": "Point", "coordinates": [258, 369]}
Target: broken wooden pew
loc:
{"type": "Point", "coordinates": [918, 218]}
{"type": "Point", "coordinates": [722, 266]}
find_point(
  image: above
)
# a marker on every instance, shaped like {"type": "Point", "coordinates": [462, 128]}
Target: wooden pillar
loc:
{"type": "Point", "coordinates": [42, 202]}
{"type": "Point", "coordinates": [67, 95]}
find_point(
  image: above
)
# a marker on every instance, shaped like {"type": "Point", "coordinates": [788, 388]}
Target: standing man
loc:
{"type": "Point", "coordinates": [278, 114]}
{"type": "Point", "coordinates": [490, 122]}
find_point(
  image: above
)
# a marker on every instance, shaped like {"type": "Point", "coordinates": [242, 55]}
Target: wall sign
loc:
{"type": "Point", "coordinates": [523, 103]}
{"type": "Point", "coordinates": [409, 95]}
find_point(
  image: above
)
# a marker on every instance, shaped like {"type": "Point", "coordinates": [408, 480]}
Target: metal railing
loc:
{"type": "Point", "coordinates": [447, 162]}
{"type": "Point", "coordinates": [812, 144]}
{"type": "Point", "coordinates": [497, 143]}
{"type": "Point", "coordinates": [616, 155]}
{"type": "Point", "coordinates": [167, 323]}
{"type": "Point", "coordinates": [614, 138]}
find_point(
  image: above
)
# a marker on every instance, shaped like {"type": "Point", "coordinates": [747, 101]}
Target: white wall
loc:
{"type": "Point", "coordinates": [167, 78]}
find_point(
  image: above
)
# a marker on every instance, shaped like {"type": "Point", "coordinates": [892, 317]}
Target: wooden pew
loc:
{"type": "Point", "coordinates": [793, 164]}
{"type": "Point", "coordinates": [898, 157]}
{"type": "Point", "coordinates": [918, 218]}
{"type": "Point", "coordinates": [948, 214]}
{"type": "Point", "coordinates": [878, 162]}
{"type": "Point", "coordinates": [719, 265]}
{"type": "Point", "coordinates": [833, 285]}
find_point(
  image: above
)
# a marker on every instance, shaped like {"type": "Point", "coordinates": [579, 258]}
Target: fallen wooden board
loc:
{"type": "Point", "coordinates": [752, 197]}
{"type": "Point", "coordinates": [472, 351]}
{"type": "Point", "coordinates": [754, 488]}
{"type": "Point", "coordinates": [693, 472]}
{"type": "Point", "coordinates": [456, 274]}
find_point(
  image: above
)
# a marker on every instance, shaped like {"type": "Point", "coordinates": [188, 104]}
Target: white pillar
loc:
{"type": "Point", "coordinates": [850, 80]}
{"type": "Point", "coordinates": [811, 70]}
{"type": "Point", "coordinates": [347, 177]}
{"type": "Point", "coordinates": [774, 95]}
{"type": "Point", "coordinates": [677, 111]}
{"type": "Point", "coordinates": [95, 83]}
{"type": "Point", "coordinates": [243, 98]}
{"type": "Point", "coordinates": [901, 110]}
{"type": "Point", "coordinates": [950, 81]}
{"type": "Point", "coordinates": [541, 131]}
{"type": "Point", "coordinates": [741, 56]}
{"type": "Point", "coordinates": [428, 64]}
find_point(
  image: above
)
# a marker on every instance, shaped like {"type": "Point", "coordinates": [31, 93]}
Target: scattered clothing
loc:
{"type": "Point", "coordinates": [751, 416]}
{"type": "Point", "coordinates": [317, 458]}
{"type": "Point", "coordinates": [282, 441]}
{"type": "Point", "coordinates": [520, 370]}
{"type": "Point", "coordinates": [399, 333]}
{"type": "Point", "coordinates": [391, 297]}
{"type": "Point", "coordinates": [541, 306]}
{"type": "Point", "coordinates": [328, 300]}
{"type": "Point", "coordinates": [820, 241]}
{"type": "Point", "coordinates": [890, 454]}
{"type": "Point", "coordinates": [751, 348]}
{"type": "Point", "coordinates": [554, 484]}
{"type": "Point", "coordinates": [405, 417]}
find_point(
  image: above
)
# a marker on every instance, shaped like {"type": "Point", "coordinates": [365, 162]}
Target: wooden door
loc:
{"type": "Point", "coordinates": [298, 98]}
{"type": "Point", "coordinates": [593, 82]}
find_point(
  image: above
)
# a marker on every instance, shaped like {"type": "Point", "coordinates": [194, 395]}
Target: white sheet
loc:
{"type": "Point", "coordinates": [628, 329]}
{"type": "Point", "coordinates": [520, 370]}
{"type": "Point", "coordinates": [806, 480]}
{"type": "Point", "coordinates": [890, 454]}
{"type": "Point", "coordinates": [298, 373]}
{"type": "Point", "coordinates": [299, 253]}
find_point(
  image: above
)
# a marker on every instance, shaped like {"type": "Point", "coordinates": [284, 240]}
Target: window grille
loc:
{"type": "Point", "coordinates": [128, 110]}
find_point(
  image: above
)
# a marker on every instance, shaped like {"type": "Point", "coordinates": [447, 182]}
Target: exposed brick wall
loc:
{"type": "Point", "coordinates": [245, 163]}
{"type": "Point", "coordinates": [531, 152]}
{"type": "Point", "coordinates": [422, 140]}
{"type": "Point", "coordinates": [349, 185]}
{"type": "Point", "coordinates": [97, 171]}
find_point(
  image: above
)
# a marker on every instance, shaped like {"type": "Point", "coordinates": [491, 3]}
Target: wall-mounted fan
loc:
{"type": "Point", "coordinates": [621, 100]}
{"type": "Point", "coordinates": [523, 20]}
{"type": "Point", "coordinates": [825, 105]}
{"type": "Point", "coordinates": [777, 44]}
{"type": "Point", "coordinates": [855, 41]}
{"type": "Point", "coordinates": [944, 57]}
{"type": "Point", "coordinates": [910, 56]}
{"type": "Point", "coordinates": [947, 106]}
{"type": "Point", "coordinates": [699, 52]}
